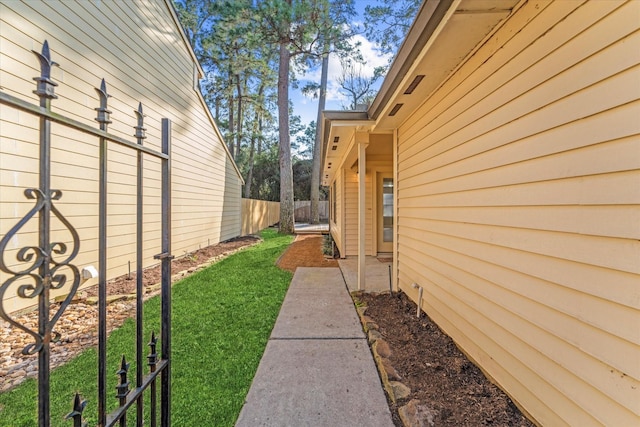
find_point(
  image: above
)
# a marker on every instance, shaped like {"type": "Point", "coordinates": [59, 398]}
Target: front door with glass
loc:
{"type": "Point", "coordinates": [385, 212]}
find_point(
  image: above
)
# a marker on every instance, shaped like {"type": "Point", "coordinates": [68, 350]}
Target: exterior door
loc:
{"type": "Point", "coordinates": [384, 216]}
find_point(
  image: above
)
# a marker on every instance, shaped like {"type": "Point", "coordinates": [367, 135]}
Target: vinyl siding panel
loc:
{"type": "Point", "coordinates": [137, 48]}
{"type": "Point", "coordinates": [351, 212]}
{"type": "Point", "coordinates": [351, 218]}
{"type": "Point", "coordinates": [337, 223]}
{"type": "Point", "coordinates": [519, 208]}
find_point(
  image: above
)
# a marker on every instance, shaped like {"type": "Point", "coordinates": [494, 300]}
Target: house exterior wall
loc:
{"type": "Point", "coordinates": [351, 206]}
{"type": "Point", "coordinates": [336, 222]}
{"type": "Point", "coordinates": [138, 49]}
{"type": "Point", "coordinates": [518, 205]}
{"type": "Point", "coordinates": [351, 212]}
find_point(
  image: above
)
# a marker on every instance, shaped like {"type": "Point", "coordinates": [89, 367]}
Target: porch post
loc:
{"type": "Point", "coordinates": [394, 275]}
{"type": "Point", "coordinates": [362, 140]}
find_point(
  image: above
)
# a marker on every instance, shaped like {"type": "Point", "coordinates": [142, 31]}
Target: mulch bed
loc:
{"type": "Point", "coordinates": [439, 375]}
{"type": "Point", "coordinates": [126, 284]}
{"type": "Point", "coordinates": [305, 251]}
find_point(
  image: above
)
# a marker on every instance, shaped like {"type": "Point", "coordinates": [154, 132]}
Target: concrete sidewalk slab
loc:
{"type": "Point", "coordinates": [317, 369]}
{"type": "Point", "coordinates": [317, 306]}
{"type": "Point", "coordinates": [318, 278]}
{"type": "Point", "coordinates": [376, 274]}
{"type": "Point", "coordinates": [330, 383]}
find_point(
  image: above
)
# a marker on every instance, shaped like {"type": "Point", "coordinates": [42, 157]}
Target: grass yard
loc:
{"type": "Point", "coordinates": [222, 318]}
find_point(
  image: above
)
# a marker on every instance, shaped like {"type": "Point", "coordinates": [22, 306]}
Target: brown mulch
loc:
{"type": "Point", "coordinates": [126, 284]}
{"type": "Point", "coordinates": [305, 251]}
{"type": "Point", "coordinates": [439, 375]}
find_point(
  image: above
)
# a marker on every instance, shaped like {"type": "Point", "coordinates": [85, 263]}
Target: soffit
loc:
{"type": "Point", "coordinates": [340, 129]}
{"type": "Point", "coordinates": [443, 35]}
{"type": "Point", "coordinates": [458, 34]}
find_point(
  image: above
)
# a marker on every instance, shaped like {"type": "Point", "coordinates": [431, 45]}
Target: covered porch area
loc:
{"type": "Point", "coordinates": [377, 271]}
{"type": "Point", "coordinates": [358, 168]}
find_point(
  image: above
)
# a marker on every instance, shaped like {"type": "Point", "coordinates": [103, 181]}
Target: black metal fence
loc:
{"type": "Point", "coordinates": [49, 266]}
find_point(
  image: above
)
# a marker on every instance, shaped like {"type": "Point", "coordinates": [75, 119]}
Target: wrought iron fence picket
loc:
{"type": "Point", "coordinates": [49, 265]}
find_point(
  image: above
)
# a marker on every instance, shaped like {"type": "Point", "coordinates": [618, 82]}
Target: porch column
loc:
{"type": "Point", "coordinates": [394, 275]}
{"type": "Point", "coordinates": [362, 140]}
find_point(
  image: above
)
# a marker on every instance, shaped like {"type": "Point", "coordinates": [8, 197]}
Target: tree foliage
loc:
{"type": "Point", "coordinates": [387, 23]}
{"type": "Point", "coordinates": [249, 50]}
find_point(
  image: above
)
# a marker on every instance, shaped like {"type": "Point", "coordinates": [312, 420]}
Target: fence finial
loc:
{"type": "Point", "coordinates": [140, 129]}
{"type": "Point", "coordinates": [103, 111]}
{"type": "Point", "coordinates": [46, 86]}
{"type": "Point", "coordinates": [76, 414]}
{"type": "Point", "coordinates": [123, 387]}
{"type": "Point", "coordinates": [153, 354]}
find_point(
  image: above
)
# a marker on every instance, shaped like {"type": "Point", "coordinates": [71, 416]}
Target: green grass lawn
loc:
{"type": "Point", "coordinates": [222, 317]}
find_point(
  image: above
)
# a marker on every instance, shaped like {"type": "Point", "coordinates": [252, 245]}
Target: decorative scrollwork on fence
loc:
{"type": "Point", "coordinates": [35, 270]}
{"type": "Point", "coordinates": [40, 267]}
{"type": "Point", "coordinates": [35, 259]}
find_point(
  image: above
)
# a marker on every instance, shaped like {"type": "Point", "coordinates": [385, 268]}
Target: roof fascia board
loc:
{"type": "Point", "coordinates": [431, 13]}
{"type": "Point", "coordinates": [333, 118]}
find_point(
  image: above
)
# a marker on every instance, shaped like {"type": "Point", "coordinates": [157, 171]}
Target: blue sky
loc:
{"type": "Point", "coordinates": [307, 108]}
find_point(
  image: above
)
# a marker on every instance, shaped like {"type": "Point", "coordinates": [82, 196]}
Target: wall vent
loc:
{"type": "Point", "coordinates": [414, 84]}
{"type": "Point", "coordinates": [395, 109]}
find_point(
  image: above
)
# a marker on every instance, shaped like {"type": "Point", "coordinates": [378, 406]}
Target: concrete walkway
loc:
{"type": "Point", "coordinates": [317, 369]}
{"type": "Point", "coordinates": [305, 228]}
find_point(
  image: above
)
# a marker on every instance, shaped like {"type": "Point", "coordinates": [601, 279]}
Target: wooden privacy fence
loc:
{"type": "Point", "coordinates": [258, 214]}
{"type": "Point", "coordinates": [302, 210]}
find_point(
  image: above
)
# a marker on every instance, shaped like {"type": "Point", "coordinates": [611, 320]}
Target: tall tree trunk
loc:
{"type": "Point", "coordinates": [231, 126]}
{"type": "Point", "coordinates": [317, 147]}
{"type": "Point", "coordinates": [240, 118]}
{"type": "Point", "coordinates": [247, 184]}
{"type": "Point", "coordinates": [259, 150]}
{"type": "Point", "coordinates": [256, 134]}
{"type": "Point", "coordinates": [217, 109]}
{"type": "Point", "coordinates": [284, 147]}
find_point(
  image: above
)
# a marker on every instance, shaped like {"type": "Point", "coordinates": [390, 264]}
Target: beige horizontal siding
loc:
{"type": "Point", "coordinates": [336, 225]}
{"type": "Point", "coordinates": [351, 201]}
{"type": "Point", "coordinates": [136, 47]}
{"type": "Point", "coordinates": [351, 212]}
{"type": "Point", "coordinates": [519, 208]}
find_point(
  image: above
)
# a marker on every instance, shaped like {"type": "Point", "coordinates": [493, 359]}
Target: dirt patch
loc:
{"type": "Point", "coordinates": [451, 388]}
{"type": "Point", "coordinates": [305, 251]}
